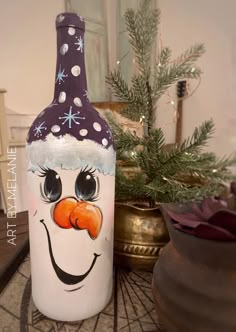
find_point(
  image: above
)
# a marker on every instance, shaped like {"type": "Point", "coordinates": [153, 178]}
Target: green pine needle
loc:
{"type": "Point", "coordinates": [185, 172]}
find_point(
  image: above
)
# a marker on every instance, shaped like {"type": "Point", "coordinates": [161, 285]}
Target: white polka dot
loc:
{"type": "Point", "coordinates": [77, 101]}
{"type": "Point", "coordinates": [62, 97]}
{"type": "Point", "coordinates": [97, 126]}
{"type": "Point", "coordinates": [64, 49]}
{"type": "Point", "coordinates": [60, 18]}
{"type": "Point", "coordinates": [55, 129]}
{"type": "Point", "coordinates": [83, 132]}
{"type": "Point", "coordinates": [104, 141]}
{"type": "Point", "coordinates": [75, 70]}
{"type": "Point", "coordinates": [71, 31]}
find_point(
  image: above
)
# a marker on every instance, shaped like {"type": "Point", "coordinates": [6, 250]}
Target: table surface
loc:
{"type": "Point", "coordinates": [131, 307]}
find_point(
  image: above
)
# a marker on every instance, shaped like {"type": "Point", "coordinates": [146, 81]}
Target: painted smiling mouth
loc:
{"type": "Point", "coordinates": [67, 278]}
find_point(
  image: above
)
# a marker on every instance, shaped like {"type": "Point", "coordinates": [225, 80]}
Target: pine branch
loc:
{"type": "Point", "coordinates": [139, 89]}
{"type": "Point", "coordinates": [199, 138]}
{"type": "Point", "coordinates": [183, 67]}
{"type": "Point", "coordinates": [142, 29]}
{"type": "Point", "coordinates": [136, 97]}
{"type": "Point", "coordinates": [148, 158]}
{"type": "Point", "coordinates": [150, 118]}
{"type": "Point", "coordinates": [127, 188]}
{"type": "Point", "coordinates": [181, 183]}
{"type": "Point", "coordinates": [179, 158]}
{"type": "Point", "coordinates": [199, 193]}
{"type": "Point", "coordinates": [207, 166]}
{"type": "Point", "coordinates": [191, 55]}
{"type": "Point", "coordinates": [120, 87]}
{"type": "Point", "coordinates": [155, 141]}
{"type": "Point", "coordinates": [164, 57]}
{"type": "Point", "coordinates": [196, 142]}
{"type": "Point", "coordinates": [124, 140]}
{"type": "Point", "coordinates": [184, 173]}
{"type": "Point", "coordinates": [134, 112]}
{"type": "Point", "coordinates": [220, 170]}
{"type": "Point", "coordinates": [174, 191]}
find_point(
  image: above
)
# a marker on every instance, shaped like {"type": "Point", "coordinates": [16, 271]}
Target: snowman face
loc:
{"type": "Point", "coordinates": [72, 206]}
{"type": "Point", "coordinates": [74, 211]}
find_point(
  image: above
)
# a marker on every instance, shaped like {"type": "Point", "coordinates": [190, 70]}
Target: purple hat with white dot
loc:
{"type": "Point", "coordinates": [76, 121]}
{"type": "Point", "coordinates": [70, 117]}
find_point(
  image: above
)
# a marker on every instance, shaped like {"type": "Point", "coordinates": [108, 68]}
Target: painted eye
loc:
{"type": "Point", "coordinates": [87, 186]}
{"type": "Point", "coordinates": [52, 186]}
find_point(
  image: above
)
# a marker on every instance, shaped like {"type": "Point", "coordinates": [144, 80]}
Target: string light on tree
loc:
{"type": "Point", "coordinates": [118, 62]}
{"type": "Point", "coordinates": [153, 161]}
{"type": "Point", "coordinates": [142, 120]}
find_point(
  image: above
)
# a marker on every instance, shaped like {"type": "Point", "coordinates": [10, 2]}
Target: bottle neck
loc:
{"type": "Point", "coordinates": [70, 81]}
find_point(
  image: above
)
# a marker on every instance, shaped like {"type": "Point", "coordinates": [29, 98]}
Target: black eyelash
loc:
{"type": "Point", "coordinates": [90, 170]}
{"type": "Point", "coordinates": [94, 199]}
{"type": "Point", "coordinates": [44, 171]}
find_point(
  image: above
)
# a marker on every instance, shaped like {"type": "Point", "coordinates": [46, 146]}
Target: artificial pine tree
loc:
{"type": "Point", "coordinates": [161, 175]}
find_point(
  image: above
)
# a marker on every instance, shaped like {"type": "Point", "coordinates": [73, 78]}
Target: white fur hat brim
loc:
{"type": "Point", "coordinates": [68, 153]}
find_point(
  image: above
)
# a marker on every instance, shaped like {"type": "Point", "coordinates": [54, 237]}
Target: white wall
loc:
{"type": "Point", "coordinates": [185, 22]}
{"type": "Point", "coordinates": [27, 64]}
{"type": "Point", "coordinates": [28, 52]}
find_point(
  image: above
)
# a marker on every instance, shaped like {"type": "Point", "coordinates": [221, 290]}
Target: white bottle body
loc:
{"type": "Point", "coordinates": [73, 250]}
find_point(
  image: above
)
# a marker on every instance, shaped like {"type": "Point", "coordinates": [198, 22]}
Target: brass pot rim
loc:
{"type": "Point", "coordinates": [132, 204]}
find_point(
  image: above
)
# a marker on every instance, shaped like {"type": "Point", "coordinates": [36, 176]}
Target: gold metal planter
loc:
{"type": "Point", "coordinates": [140, 233]}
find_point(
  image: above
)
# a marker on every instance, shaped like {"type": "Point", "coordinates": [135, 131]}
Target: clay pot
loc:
{"type": "Point", "coordinates": [194, 283]}
{"type": "Point", "coordinates": [140, 232]}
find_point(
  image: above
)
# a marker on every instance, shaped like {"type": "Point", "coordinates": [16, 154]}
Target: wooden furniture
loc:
{"type": "Point", "coordinates": [3, 151]}
{"type": "Point", "coordinates": [12, 255]}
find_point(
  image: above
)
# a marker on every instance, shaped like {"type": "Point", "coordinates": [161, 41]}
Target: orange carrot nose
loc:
{"type": "Point", "coordinates": [80, 215]}
{"type": "Point", "coordinates": [87, 216]}
{"type": "Point", "coordinates": [62, 211]}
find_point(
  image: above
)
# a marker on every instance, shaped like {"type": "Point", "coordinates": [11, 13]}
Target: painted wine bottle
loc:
{"type": "Point", "coordinates": [70, 171]}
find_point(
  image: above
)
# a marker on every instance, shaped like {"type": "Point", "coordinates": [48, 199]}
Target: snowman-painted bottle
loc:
{"type": "Point", "coordinates": [71, 168]}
